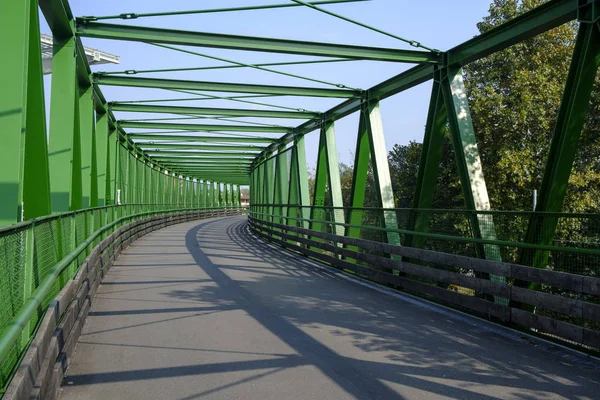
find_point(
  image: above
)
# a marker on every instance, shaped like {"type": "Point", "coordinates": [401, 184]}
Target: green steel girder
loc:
{"type": "Point", "coordinates": [298, 194]}
{"type": "Point", "coordinates": [222, 139]}
{"type": "Point", "coordinates": [281, 186]}
{"type": "Point", "coordinates": [204, 127]}
{"type": "Point", "coordinates": [565, 140]}
{"type": "Point", "coordinates": [59, 17]}
{"type": "Point", "coordinates": [249, 43]}
{"type": "Point", "coordinates": [103, 152]}
{"type": "Point", "coordinates": [229, 112]}
{"type": "Point", "coordinates": [370, 146]}
{"type": "Point", "coordinates": [197, 154]}
{"type": "Point", "coordinates": [202, 161]}
{"type": "Point", "coordinates": [431, 155]}
{"type": "Point", "coordinates": [381, 168]}
{"type": "Point", "coordinates": [24, 181]}
{"type": "Point", "coordinates": [156, 83]}
{"type": "Point", "coordinates": [359, 178]}
{"type": "Point", "coordinates": [540, 19]}
{"type": "Point", "coordinates": [327, 176]}
{"type": "Point", "coordinates": [247, 160]}
{"type": "Point", "coordinates": [469, 165]}
{"type": "Point", "coordinates": [89, 171]}
{"type": "Point", "coordinates": [198, 147]}
{"type": "Point", "coordinates": [394, 85]}
{"type": "Point", "coordinates": [64, 146]}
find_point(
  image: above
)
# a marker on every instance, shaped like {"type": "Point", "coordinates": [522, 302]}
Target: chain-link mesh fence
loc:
{"type": "Point", "coordinates": [31, 251]}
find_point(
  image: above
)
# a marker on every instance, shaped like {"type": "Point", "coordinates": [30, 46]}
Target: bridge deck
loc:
{"type": "Point", "coordinates": [204, 310]}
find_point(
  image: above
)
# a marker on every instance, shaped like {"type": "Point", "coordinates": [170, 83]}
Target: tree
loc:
{"type": "Point", "coordinates": [514, 96]}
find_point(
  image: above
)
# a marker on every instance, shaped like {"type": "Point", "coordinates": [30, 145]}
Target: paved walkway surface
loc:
{"type": "Point", "coordinates": [203, 310]}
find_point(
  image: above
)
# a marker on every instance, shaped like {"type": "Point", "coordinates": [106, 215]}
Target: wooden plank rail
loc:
{"type": "Point", "coordinates": [338, 250]}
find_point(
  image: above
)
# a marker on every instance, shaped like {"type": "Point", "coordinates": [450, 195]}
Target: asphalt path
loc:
{"type": "Point", "coordinates": [204, 310]}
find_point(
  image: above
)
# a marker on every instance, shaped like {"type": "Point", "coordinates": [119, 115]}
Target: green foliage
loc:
{"type": "Point", "coordinates": [514, 97]}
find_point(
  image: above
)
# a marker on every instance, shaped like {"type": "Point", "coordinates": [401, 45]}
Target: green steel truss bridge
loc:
{"type": "Point", "coordinates": [292, 297]}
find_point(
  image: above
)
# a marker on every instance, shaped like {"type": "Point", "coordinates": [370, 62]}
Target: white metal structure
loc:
{"type": "Point", "coordinates": [94, 56]}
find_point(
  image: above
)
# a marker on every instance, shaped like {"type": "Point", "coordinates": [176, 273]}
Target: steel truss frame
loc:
{"type": "Point", "coordinates": [93, 158]}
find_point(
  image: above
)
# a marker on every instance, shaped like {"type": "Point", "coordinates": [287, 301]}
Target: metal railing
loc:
{"type": "Point", "coordinates": [38, 257]}
{"type": "Point", "coordinates": [443, 261]}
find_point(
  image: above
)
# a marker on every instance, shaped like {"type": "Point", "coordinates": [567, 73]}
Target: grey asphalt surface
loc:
{"type": "Point", "coordinates": [203, 310]}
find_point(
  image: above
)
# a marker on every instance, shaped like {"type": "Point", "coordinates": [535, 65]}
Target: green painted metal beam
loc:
{"type": "Point", "coordinates": [249, 43]}
{"type": "Point", "coordinates": [431, 156]}
{"type": "Point", "coordinates": [206, 162]}
{"type": "Point", "coordinates": [198, 147]}
{"type": "Point", "coordinates": [540, 19]}
{"type": "Point", "coordinates": [203, 159]}
{"type": "Point", "coordinates": [64, 146]}
{"type": "Point", "coordinates": [211, 10]}
{"type": "Point", "coordinates": [87, 132]}
{"type": "Point", "coordinates": [230, 112]}
{"type": "Point", "coordinates": [104, 152]}
{"type": "Point", "coordinates": [281, 184]}
{"type": "Point", "coordinates": [204, 127]}
{"type": "Point", "coordinates": [381, 169]}
{"type": "Point", "coordinates": [298, 193]}
{"type": "Point", "coordinates": [200, 139]}
{"type": "Point", "coordinates": [59, 17]}
{"type": "Point", "coordinates": [565, 140]}
{"type": "Point", "coordinates": [156, 83]}
{"type": "Point", "coordinates": [197, 154]}
{"type": "Point", "coordinates": [394, 85]}
{"type": "Point", "coordinates": [24, 181]}
{"type": "Point", "coordinates": [469, 165]}
{"type": "Point", "coordinates": [327, 177]}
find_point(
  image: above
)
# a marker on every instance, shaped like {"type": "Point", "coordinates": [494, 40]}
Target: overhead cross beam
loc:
{"type": "Point", "coordinates": [249, 43]}
{"type": "Point", "coordinates": [206, 139]}
{"type": "Point", "coordinates": [197, 147]}
{"type": "Point", "coordinates": [204, 127]}
{"type": "Point", "coordinates": [155, 83]}
{"type": "Point", "coordinates": [224, 112]}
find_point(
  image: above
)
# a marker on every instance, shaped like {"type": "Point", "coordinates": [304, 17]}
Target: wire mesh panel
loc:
{"type": "Point", "coordinates": [12, 284]}
{"type": "Point", "coordinates": [42, 249]}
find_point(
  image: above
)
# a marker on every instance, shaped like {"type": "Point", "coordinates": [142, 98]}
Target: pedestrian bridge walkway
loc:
{"type": "Point", "coordinates": [206, 310]}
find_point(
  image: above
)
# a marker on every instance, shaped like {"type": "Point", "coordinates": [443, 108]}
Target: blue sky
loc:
{"type": "Point", "coordinates": [440, 24]}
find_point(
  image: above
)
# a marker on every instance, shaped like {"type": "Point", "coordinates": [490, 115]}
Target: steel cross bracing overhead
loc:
{"type": "Point", "coordinates": [93, 156]}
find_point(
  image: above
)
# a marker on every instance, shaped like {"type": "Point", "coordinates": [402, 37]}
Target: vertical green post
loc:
{"type": "Point", "coordinates": [268, 184]}
{"type": "Point", "coordinates": [281, 186]}
{"type": "Point", "coordinates": [89, 182]}
{"type": "Point", "coordinates": [298, 194]}
{"type": "Point", "coordinates": [24, 183]}
{"type": "Point", "coordinates": [567, 131]}
{"type": "Point", "coordinates": [328, 175]}
{"type": "Point", "coordinates": [65, 147]}
{"type": "Point", "coordinates": [431, 155]}
{"type": "Point", "coordinates": [468, 160]}
{"type": "Point", "coordinates": [103, 151]}
{"type": "Point", "coordinates": [359, 178]}
{"type": "Point", "coordinates": [381, 170]}
{"type": "Point", "coordinates": [469, 166]}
